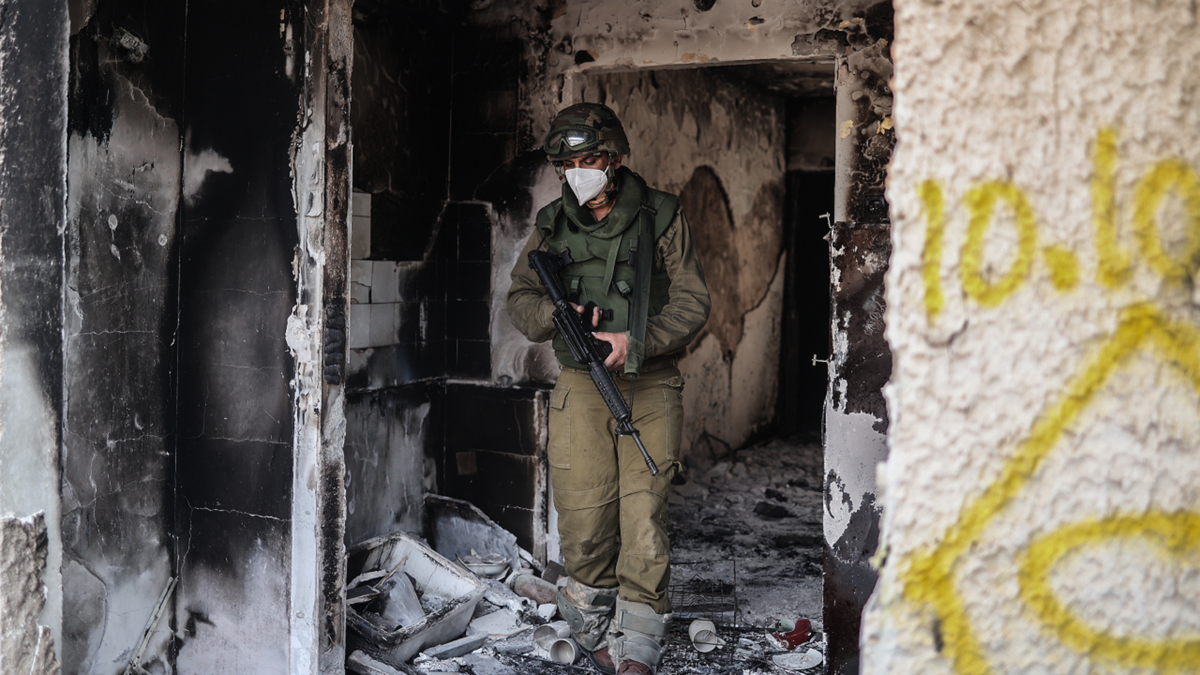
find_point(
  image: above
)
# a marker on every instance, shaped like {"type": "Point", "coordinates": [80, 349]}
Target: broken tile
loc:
{"type": "Point", "coordinates": [385, 281]}
{"type": "Point", "coordinates": [430, 666]}
{"type": "Point", "coordinates": [458, 526]}
{"type": "Point", "coordinates": [482, 664]}
{"type": "Point", "coordinates": [437, 579]}
{"type": "Point", "coordinates": [360, 282]}
{"type": "Point", "coordinates": [359, 662]}
{"type": "Point", "coordinates": [401, 607]}
{"type": "Point", "coordinates": [463, 645]}
{"type": "Point", "coordinates": [499, 624]}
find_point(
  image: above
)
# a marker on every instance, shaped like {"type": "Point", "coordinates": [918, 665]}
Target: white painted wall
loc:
{"type": "Point", "coordinates": [1042, 495]}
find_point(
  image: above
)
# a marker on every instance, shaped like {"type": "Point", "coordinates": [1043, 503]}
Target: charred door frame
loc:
{"type": "Point", "coordinates": [860, 361]}
{"type": "Point", "coordinates": [317, 340]}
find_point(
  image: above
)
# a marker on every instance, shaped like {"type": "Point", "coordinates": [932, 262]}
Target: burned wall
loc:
{"type": "Point", "coordinates": [436, 112]}
{"type": "Point", "coordinates": [235, 417]}
{"type": "Point", "coordinates": [178, 443]}
{"type": "Point", "coordinates": [1041, 489]}
{"type": "Point", "coordinates": [34, 58]}
{"type": "Point", "coordinates": [400, 120]}
{"type": "Point", "coordinates": [388, 435]}
{"type": "Point", "coordinates": [124, 191]}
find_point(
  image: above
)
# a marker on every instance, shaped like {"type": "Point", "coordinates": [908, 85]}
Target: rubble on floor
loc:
{"type": "Point", "coordinates": [746, 555]}
{"type": "Point", "coordinates": [772, 555]}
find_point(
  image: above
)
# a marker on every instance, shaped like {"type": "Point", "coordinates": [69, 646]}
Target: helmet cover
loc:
{"type": "Point", "coordinates": [584, 129]}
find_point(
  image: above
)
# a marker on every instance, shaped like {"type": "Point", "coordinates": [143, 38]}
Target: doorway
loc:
{"type": "Point", "coordinates": [750, 150]}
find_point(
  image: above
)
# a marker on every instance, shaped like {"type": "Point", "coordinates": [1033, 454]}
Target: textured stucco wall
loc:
{"type": "Point", "coordinates": [1041, 496]}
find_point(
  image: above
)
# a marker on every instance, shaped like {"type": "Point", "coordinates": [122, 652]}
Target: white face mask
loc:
{"type": "Point", "coordinates": [586, 183]}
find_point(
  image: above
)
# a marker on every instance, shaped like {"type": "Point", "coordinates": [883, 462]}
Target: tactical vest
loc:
{"type": "Point", "coordinates": [603, 271]}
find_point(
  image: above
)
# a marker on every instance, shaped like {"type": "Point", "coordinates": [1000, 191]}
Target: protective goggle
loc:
{"type": "Point", "coordinates": [569, 140]}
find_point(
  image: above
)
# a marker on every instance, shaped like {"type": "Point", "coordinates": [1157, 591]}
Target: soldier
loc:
{"type": "Point", "coordinates": [612, 514]}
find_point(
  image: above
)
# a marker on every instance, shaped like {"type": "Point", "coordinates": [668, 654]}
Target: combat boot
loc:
{"type": "Point", "coordinates": [634, 668]}
{"type": "Point", "coordinates": [602, 660]}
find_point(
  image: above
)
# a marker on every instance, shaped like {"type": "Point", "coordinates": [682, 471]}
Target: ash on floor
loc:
{"type": "Point", "coordinates": [757, 513]}
{"type": "Point", "coordinates": [747, 651]}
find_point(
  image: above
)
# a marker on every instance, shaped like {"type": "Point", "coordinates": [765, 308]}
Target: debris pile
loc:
{"type": "Point", "coordinates": [471, 601]}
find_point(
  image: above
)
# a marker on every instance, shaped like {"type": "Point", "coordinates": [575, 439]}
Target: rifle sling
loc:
{"type": "Point", "coordinates": [640, 308]}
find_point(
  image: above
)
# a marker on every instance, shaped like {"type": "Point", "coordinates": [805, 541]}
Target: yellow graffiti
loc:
{"type": "Point", "coordinates": [1175, 535]}
{"type": "Point", "coordinates": [1165, 177]}
{"type": "Point", "coordinates": [928, 577]}
{"type": "Point", "coordinates": [1114, 264]}
{"type": "Point", "coordinates": [981, 204]}
{"type": "Point", "coordinates": [1064, 266]}
{"type": "Point", "coordinates": [931, 257]}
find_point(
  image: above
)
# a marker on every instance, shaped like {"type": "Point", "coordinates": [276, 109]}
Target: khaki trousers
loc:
{"type": "Point", "coordinates": [612, 514]}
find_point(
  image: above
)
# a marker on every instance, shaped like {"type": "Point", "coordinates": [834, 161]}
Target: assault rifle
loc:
{"type": "Point", "coordinates": [576, 331]}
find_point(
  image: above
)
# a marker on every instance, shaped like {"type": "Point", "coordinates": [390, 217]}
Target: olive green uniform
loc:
{"type": "Point", "coordinates": [612, 514]}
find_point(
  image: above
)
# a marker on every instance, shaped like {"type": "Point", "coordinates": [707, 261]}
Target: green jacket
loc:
{"type": "Point", "coordinates": [679, 301]}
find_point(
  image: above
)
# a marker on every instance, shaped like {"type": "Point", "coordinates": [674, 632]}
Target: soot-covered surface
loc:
{"type": "Point", "coordinates": [758, 509]}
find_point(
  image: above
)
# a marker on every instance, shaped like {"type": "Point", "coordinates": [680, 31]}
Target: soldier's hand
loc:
{"type": "Point", "coordinates": [620, 347]}
{"type": "Point", "coordinates": [595, 314]}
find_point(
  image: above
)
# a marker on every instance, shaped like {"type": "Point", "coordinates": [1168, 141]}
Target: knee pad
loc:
{"type": "Point", "coordinates": [588, 611]}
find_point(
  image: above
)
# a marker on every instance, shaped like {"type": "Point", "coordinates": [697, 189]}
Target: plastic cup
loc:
{"type": "Point", "coordinates": [564, 650]}
{"type": "Point", "coordinates": [703, 634]}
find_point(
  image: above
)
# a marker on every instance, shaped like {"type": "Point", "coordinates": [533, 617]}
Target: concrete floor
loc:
{"type": "Point", "coordinates": [761, 510]}
{"type": "Point", "coordinates": [748, 528]}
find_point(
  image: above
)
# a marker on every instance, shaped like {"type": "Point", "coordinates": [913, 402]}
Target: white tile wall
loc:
{"type": "Point", "coordinates": [374, 285]}
{"type": "Point", "coordinates": [360, 326]}
{"type": "Point", "coordinates": [361, 205]}
{"type": "Point", "coordinates": [385, 281]}
{"type": "Point", "coordinates": [360, 282]}
{"type": "Point", "coordinates": [385, 324]}
{"type": "Point", "coordinates": [360, 237]}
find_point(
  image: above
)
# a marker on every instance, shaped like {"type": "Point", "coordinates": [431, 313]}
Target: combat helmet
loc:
{"type": "Point", "coordinates": [582, 129]}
